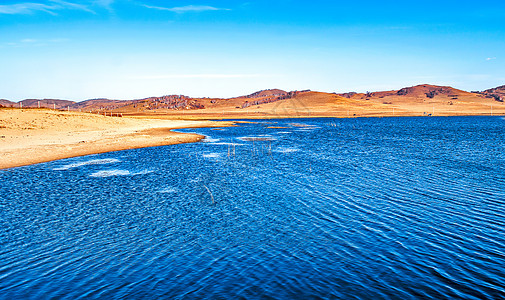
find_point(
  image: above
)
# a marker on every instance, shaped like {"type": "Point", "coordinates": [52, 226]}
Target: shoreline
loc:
{"type": "Point", "coordinates": [32, 141]}
{"type": "Point", "coordinates": [32, 137]}
{"type": "Point", "coordinates": [243, 116]}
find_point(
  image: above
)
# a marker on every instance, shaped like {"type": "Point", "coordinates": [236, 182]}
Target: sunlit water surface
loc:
{"type": "Point", "coordinates": [404, 208]}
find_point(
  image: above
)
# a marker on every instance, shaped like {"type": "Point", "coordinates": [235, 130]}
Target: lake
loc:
{"type": "Point", "coordinates": [365, 208]}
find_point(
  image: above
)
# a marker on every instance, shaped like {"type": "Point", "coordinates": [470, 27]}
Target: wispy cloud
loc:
{"type": "Point", "coordinates": [490, 58]}
{"type": "Point", "coordinates": [70, 5]}
{"type": "Point", "coordinates": [187, 8]}
{"type": "Point", "coordinates": [26, 8]}
{"type": "Point", "coordinates": [29, 42]}
{"type": "Point", "coordinates": [50, 7]}
{"type": "Point", "coordinates": [107, 4]}
{"type": "Point", "coordinates": [192, 76]}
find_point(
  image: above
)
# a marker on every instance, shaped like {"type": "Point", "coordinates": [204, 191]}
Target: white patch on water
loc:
{"type": "Point", "coordinates": [303, 127]}
{"type": "Point", "coordinates": [208, 139]}
{"type": "Point", "coordinates": [284, 132]}
{"type": "Point", "coordinates": [211, 155]}
{"type": "Point", "coordinates": [231, 144]}
{"type": "Point", "coordinates": [286, 150]}
{"type": "Point", "coordinates": [311, 127]}
{"type": "Point", "coordinates": [168, 190]}
{"type": "Point", "coordinates": [257, 138]}
{"type": "Point", "coordinates": [110, 173]}
{"type": "Point", "coordinates": [89, 162]}
{"type": "Point", "coordinates": [143, 172]}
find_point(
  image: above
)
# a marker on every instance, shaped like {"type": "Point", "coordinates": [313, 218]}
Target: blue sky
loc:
{"type": "Point", "coordinates": [127, 49]}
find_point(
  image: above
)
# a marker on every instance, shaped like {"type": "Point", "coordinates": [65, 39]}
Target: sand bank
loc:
{"type": "Point", "coordinates": [33, 136]}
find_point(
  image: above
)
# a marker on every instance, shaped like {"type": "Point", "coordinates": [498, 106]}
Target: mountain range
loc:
{"type": "Point", "coordinates": [419, 97]}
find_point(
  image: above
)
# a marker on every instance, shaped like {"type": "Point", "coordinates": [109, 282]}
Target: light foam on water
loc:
{"type": "Point", "coordinates": [110, 173]}
{"type": "Point", "coordinates": [261, 138]}
{"type": "Point", "coordinates": [208, 139]}
{"type": "Point", "coordinates": [228, 143]}
{"type": "Point", "coordinates": [143, 172]}
{"type": "Point", "coordinates": [286, 150]}
{"type": "Point", "coordinates": [168, 190]}
{"type": "Point", "coordinates": [89, 162]}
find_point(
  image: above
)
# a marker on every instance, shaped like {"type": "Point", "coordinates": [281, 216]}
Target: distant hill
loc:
{"type": "Point", "coordinates": [424, 99]}
{"type": "Point", "coordinates": [7, 103]}
{"type": "Point", "coordinates": [47, 103]}
{"type": "Point", "coordinates": [418, 91]}
{"type": "Point", "coordinates": [497, 93]}
{"type": "Point", "coordinates": [266, 93]}
{"type": "Point", "coordinates": [101, 103]}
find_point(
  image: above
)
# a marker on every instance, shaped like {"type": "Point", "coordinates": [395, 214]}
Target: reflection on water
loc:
{"type": "Point", "coordinates": [312, 208]}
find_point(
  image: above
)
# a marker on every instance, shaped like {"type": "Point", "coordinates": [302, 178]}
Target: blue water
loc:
{"type": "Point", "coordinates": [401, 208]}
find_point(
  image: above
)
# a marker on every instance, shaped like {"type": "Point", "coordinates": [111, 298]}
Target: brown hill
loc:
{"type": "Point", "coordinates": [419, 91]}
{"type": "Point", "coordinates": [100, 104]}
{"type": "Point", "coordinates": [428, 99]}
{"type": "Point", "coordinates": [422, 99]}
{"type": "Point", "coordinates": [497, 93]}
{"type": "Point", "coordinates": [7, 103]}
{"type": "Point", "coordinates": [418, 100]}
{"type": "Point", "coordinates": [185, 103]}
{"type": "Point", "coordinates": [47, 103]}
{"type": "Point", "coordinates": [266, 93]}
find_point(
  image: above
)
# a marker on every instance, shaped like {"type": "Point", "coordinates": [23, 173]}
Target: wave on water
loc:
{"type": "Point", "coordinates": [168, 190]}
{"type": "Point", "coordinates": [211, 155]}
{"type": "Point", "coordinates": [303, 127]}
{"type": "Point", "coordinates": [110, 173]}
{"type": "Point", "coordinates": [306, 128]}
{"type": "Point", "coordinates": [286, 150]}
{"type": "Point", "coordinates": [89, 162]}
{"type": "Point", "coordinates": [228, 143]}
{"type": "Point", "coordinates": [257, 138]}
{"type": "Point", "coordinates": [208, 139]}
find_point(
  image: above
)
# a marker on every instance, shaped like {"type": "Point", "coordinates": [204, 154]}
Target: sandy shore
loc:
{"type": "Point", "coordinates": [33, 136]}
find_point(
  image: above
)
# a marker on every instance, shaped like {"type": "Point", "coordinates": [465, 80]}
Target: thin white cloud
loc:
{"type": "Point", "coordinates": [26, 8]}
{"type": "Point", "coordinates": [490, 58]}
{"type": "Point", "coordinates": [187, 8]}
{"type": "Point", "coordinates": [107, 4]}
{"type": "Point", "coordinates": [51, 7]}
{"type": "Point", "coordinates": [70, 5]}
{"type": "Point", "coordinates": [28, 42]}
{"type": "Point", "coordinates": [191, 76]}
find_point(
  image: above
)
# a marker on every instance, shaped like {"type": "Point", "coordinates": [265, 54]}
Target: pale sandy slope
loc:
{"type": "Point", "coordinates": [34, 136]}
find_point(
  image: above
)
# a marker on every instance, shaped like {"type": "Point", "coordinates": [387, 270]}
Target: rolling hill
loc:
{"type": "Point", "coordinates": [421, 100]}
